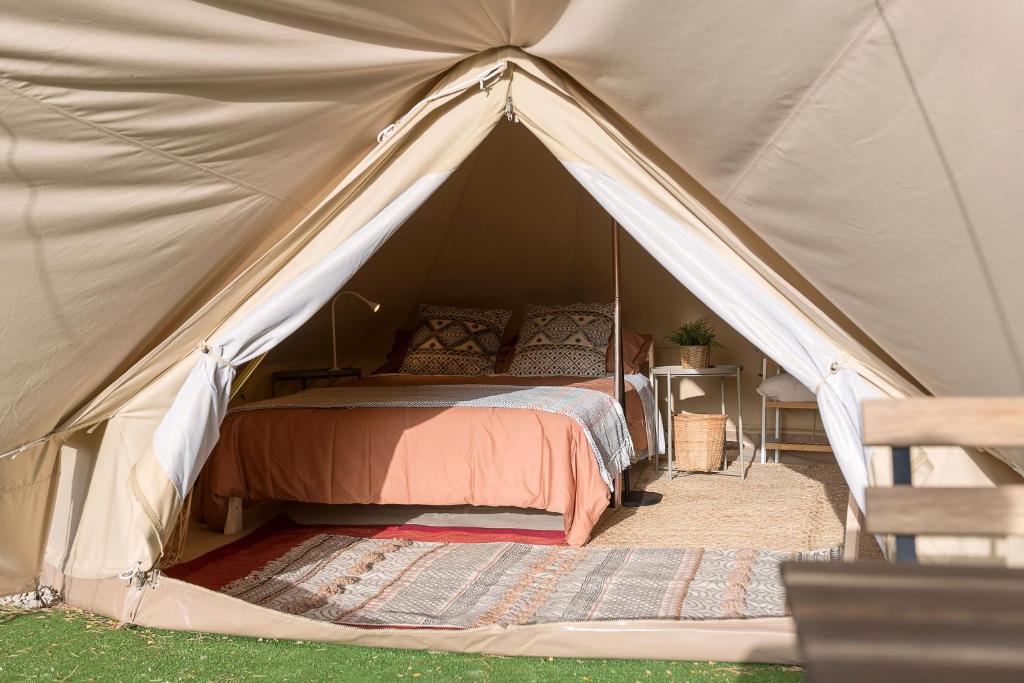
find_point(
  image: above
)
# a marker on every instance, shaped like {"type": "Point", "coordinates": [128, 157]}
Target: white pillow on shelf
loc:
{"type": "Point", "coordinates": [785, 387]}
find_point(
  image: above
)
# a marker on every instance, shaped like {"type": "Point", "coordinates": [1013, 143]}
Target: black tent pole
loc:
{"type": "Point", "coordinates": [623, 494]}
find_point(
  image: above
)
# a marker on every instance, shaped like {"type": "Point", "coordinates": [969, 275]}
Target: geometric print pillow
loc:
{"type": "Point", "coordinates": [455, 341]}
{"type": "Point", "coordinates": [569, 339]}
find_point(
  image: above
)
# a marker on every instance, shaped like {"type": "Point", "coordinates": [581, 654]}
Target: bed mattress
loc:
{"type": "Point", "coordinates": [484, 456]}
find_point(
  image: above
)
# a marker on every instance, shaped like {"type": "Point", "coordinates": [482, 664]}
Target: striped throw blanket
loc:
{"type": "Point", "coordinates": [599, 415]}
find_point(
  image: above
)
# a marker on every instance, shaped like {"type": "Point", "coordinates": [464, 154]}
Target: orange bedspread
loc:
{"type": "Point", "coordinates": [417, 456]}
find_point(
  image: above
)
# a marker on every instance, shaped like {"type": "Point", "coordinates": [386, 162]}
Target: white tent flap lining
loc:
{"type": "Point", "coordinates": [191, 427]}
{"type": "Point", "coordinates": [762, 318]}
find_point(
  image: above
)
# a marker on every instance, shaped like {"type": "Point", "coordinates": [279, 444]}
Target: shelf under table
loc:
{"type": "Point", "coordinates": [798, 446]}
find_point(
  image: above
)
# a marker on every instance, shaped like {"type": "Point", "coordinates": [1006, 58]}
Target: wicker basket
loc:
{"type": "Point", "coordinates": [699, 441]}
{"type": "Point", "coordinates": [695, 357]}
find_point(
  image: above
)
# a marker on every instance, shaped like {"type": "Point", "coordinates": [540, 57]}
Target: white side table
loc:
{"type": "Point", "coordinates": [723, 372]}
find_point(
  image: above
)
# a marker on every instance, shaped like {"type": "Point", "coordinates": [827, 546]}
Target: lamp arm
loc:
{"type": "Point", "coordinates": [374, 306]}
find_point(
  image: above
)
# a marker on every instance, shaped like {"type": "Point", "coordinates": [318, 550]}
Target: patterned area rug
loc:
{"type": "Point", "coordinates": [219, 567]}
{"type": "Point", "coordinates": [378, 582]}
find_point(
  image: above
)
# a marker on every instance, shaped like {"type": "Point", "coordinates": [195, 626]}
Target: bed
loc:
{"type": "Point", "coordinates": [463, 413]}
{"type": "Point", "coordinates": [402, 439]}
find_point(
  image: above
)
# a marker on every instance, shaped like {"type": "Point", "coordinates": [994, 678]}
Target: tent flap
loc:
{"type": "Point", "coordinates": [754, 311]}
{"type": "Point", "coordinates": [189, 431]}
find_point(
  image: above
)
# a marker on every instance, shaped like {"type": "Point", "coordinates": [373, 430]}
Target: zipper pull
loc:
{"type": "Point", "coordinates": [510, 112]}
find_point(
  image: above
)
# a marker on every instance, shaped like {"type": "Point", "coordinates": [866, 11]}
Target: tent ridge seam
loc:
{"type": "Point", "coordinates": [8, 84]}
{"type": "Point", "coordinates": [494, 24]}
{"type": "Point", "coordinates": [817, 85]}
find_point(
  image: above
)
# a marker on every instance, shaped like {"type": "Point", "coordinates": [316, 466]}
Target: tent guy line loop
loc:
{"type": "Point", "coordinates": [833, 369]}
{"type": "Point", "coordinates": [485, 79]}
{"type": "Point", "coordinates": [15, 452]}
{"type": "Point", "coordinates": [136, 577]}
{"type": "Point", "coordinates": [89, 426]}
{"type": "Point", "coordinates": [217, 359]}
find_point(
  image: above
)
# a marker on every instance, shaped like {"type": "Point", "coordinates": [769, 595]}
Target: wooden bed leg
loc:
{"type": "Point", "coordinates": [1015, 551]}
{"type": "Point", "coordinates": [854, 522]}
{"type": "Point", "coordinates": [233, 522]}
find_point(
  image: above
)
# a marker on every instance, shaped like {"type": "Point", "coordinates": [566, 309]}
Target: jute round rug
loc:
{"type": "Point", "coordinates": [777, 507]}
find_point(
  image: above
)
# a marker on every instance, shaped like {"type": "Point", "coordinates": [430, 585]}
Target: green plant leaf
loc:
{"type": "Point", "coordinates": [694, 333]}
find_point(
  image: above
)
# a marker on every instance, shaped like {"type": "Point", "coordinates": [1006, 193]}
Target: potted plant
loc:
{"type": "Point", "coordinates": [695, 340]}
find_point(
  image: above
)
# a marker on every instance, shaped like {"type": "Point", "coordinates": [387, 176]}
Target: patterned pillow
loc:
{"type": "Point", "coordinates": [455, 341]}
{"type": "Point", "coordinates": [570, 339]}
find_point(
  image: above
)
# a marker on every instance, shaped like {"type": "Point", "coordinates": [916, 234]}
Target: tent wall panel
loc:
{"type": "Point", "coordinates": [77, 462]}
{"type": "Point", "coordinates": [28, 485]}
{"type": "Point", "coordinates": [925, 155]}
{"type": "Point", "coordinates": [100, 265]}
{"type": "Point", "coordinates": [247, 91]}
{"type": "Point", "coordinates": [681, 89]}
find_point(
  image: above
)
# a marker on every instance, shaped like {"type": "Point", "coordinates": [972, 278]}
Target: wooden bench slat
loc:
{"type": "Point", "coordinates": [875, 621]}
{"type": "Point", "coordinates": [986, 422]}
{"type": "Point", "coordinates": [907, 510]}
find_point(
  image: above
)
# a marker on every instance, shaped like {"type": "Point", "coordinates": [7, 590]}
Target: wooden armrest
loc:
{"type": "Point", "coordinates": [986, 422]}
{"type": "Point", "coordinates": [995, 511]}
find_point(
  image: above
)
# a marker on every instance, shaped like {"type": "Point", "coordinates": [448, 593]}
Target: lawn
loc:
{"type": "Point", "coordinates": [68, 645]}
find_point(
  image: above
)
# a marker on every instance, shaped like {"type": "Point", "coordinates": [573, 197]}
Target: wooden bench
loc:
{"type": "Point", "coordinates": [877, 621]}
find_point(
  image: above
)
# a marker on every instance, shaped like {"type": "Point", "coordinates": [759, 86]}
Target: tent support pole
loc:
{"type": "Point", "coordinates": [623, 494]}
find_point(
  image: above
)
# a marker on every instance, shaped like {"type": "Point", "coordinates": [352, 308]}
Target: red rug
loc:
{"type": "Point", "coordinates": [219, 567]}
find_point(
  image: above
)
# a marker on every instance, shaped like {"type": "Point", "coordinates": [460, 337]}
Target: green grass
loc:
{"type": "Point", "coordinates": [67, 645]}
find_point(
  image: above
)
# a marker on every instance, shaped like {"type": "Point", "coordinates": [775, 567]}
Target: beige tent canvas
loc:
{"type": "Point", "coordinates": [186, 189]}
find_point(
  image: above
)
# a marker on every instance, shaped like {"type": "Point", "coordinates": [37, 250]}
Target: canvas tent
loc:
{"type": "Point", "coordinates": [185, 188]}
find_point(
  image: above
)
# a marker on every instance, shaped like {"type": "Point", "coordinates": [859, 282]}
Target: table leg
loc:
{"type": "Point", "coordinates": [778, 420]}
{"type": "Point", "coordinates": [778, 431]}
{"type": "Point", "coordinates": [725, 457]}
{"type": "Point", "coordinates": [657, 412]}
{"type": "Point", "coordinates": [739, 424]}
{"type": "Point", "coordinates": [671, 427]}
{"type": "Point", "coordinates": [764, 411]}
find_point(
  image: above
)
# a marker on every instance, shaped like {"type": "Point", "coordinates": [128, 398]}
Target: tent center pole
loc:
{"type": "Point", "coordinates": [623, 494]}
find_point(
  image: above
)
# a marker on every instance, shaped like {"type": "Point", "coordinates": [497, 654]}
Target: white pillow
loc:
{"type": "Point", "coordinates": [785, 387]}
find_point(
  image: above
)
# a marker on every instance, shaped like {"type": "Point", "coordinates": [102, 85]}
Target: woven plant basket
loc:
{"type": "Point", "coordinates": [695, 357]}
{"type": "Point", "coordinates": [699, 441]}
